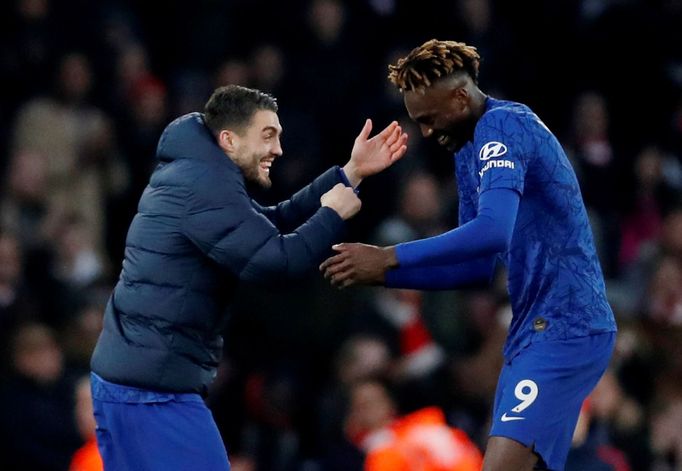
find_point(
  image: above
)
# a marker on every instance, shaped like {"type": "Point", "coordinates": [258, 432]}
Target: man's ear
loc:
{"type": "Point", "coordinates": [461, 97]}
{"type": "Point", "coordinates": [228, 141]}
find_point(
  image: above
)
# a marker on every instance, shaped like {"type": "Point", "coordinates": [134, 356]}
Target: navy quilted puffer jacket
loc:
{"type": "Point", "coordinates": [196, 234]}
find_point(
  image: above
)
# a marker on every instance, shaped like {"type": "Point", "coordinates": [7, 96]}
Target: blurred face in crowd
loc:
{"type": "Point", "coordinates": [75, 77]}
{"type": "Point", "coordinates": [36, 354]}
{"type": "Point", "coordinates": [420, 202]}
{"type": "Point", "coordinates": [28, 177]}
{"type": "Point", "coordinates": [443, 111]}
{"type": "Point", "coordinates": [370, 408]}
{"type": "Point", "coordinates": [361, 358]}
{"type": "Point", "coordinates": [326, 19]}
{"type": "Point", "coordinates": [256, 147]}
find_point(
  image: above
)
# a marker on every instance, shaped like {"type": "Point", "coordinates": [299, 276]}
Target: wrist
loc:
{"type": "Point", "coordinates": [352, 174]}
{"type": "Point", "coordinates": [391, 259]}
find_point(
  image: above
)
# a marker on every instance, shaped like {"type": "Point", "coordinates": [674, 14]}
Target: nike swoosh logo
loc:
{"type": "Point", "coordinates": [504, 418]}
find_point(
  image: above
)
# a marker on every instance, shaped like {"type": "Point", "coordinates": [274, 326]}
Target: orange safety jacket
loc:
{"type": "Point", "coordinates": [87, 458]}
{"type": "Point", "coordinates": [422, 441]}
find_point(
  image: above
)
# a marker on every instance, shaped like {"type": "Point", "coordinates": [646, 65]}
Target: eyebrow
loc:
{"type": "Point", "coordinates": [273, 129]}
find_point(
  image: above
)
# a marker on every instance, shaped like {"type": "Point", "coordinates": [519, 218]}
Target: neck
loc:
{"type": "Point", "coordinates": [477, 103]}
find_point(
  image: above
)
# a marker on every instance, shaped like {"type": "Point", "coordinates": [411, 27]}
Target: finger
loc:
{"type": "Point", "coordinates": [332, 261]}
{"type": "Point", "coordinates": [400, 151]}
{"type": "Point", "coordinates": [337, 268]}
{"type": "Point", "coordinates": [398, 143]}
{"type": "Point", "coordinates": [383, 135]}
{"type": "Point", "coordinates": [340, 247]}
{"type": "Point", "coordinates": [366, 129]}
{"type": "Point", "coordinates": [393, 138]}
{"type": "Point", "coordinates": [349, 282]}
{"type": "Point", "coordinates": [394, 134]}
{"type": "Point", "coordinates": [339, 278]}
{"type": "Point", "coordinates": [399, 154]}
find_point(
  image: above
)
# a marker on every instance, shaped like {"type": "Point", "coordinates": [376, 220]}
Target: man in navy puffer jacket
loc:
{"type": "Point", "coordinates": [197, 233]}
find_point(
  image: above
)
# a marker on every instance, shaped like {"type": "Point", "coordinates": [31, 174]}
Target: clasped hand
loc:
{"type": "Point", "coordinates": [358, 264]}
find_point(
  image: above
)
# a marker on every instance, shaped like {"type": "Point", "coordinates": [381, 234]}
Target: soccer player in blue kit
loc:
{"type": "Point", "coordinates": [519, 204]}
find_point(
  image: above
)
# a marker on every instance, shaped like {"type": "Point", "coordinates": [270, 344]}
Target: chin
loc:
{"type": "Point", "coordinates": [264, 182]}
{"type": "Point", "coordinates": [454, 147]}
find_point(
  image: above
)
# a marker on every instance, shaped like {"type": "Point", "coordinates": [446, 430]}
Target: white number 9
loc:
{"type": "Point", "coordinates": [527, 392]}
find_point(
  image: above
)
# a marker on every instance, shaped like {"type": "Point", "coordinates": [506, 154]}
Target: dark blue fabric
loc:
{"type": "Point", "coordinates": [438, 277]}
{"type": "Point", "coordinates": [489, 233]}
{"type": "Point", "coordinates": [196, 234]}
{"type": "Point", "coordinates": [147, 431]}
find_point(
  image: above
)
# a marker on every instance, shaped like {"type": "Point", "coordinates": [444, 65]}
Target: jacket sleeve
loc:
{"type": "Point", "coordinates": [222, 222]}
{"type": "Point", "coordinates": [291, 213]}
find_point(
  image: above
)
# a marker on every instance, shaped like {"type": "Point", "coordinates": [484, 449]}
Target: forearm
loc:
{"type": "Point", "coordinates": [289, 214]}
{"type": "Point", "coordinates": [442, 277]}
{"type": "Point", "coordinates": [486, 235]}
{"type": "Point", "coordinates": [291, 255]}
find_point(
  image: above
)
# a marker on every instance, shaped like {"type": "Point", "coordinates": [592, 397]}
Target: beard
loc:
{"type": "Point", "coordinates": [254, 174]}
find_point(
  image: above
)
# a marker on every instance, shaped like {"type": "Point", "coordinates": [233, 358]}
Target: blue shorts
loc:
{"type": "Point", "coordinates": [144, 430]}
{"type": "Point", "coordinates": [541, 390]}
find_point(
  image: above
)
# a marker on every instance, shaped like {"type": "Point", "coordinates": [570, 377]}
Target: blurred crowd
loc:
{"type": "Point", "coordinates": [311, 376]}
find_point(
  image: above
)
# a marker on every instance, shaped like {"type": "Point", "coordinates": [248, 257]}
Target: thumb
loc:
{"type": "Point", "coordinates": [366, 129]}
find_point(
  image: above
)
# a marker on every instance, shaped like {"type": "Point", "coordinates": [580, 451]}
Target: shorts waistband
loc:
{"type": "Point", "coordinates": [106, 391]}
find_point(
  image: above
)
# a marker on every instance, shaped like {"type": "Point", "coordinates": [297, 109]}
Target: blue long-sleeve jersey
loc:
{"type": "Point", "coordinates": [519, 201]}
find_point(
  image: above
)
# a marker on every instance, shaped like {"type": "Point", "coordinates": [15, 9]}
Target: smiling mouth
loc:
{"type": "Point", "coordinates": [265, 165]}
{"type": "Point", "coordinates": [444, 140]}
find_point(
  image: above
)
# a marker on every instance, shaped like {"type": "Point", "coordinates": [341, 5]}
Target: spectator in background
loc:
{"type": "Point", "coordinates": [591, 451]}
{"type": "Point", "coordinates": [419, 212]}
{"type": "Point", "coordinates": [420, 440]}
{"type": "Point", "coordinates": [617, 420]}
{"type": "Point", "coordinates": [648, 292]}
{"type": "Point", "coordinates": [37, 429]}
{"type": "Point", "coordinates": [87, 457]}
{"type": "Point", "coordinates": [650, 202]}
{"type": "Point", "coordinates": [25, 200]}
{"type": "Point", "coordinates": [26, 211]}
{"type": "Point", "coordinates": [360, 358]}
{"type": "Point", "coordinates": [141, 119]}
{"type": "Point", "coordinates": [16, 303]}
{"type": "Point", "coordinates": [665, 293]}
{"type": "Point", "coordinates": [77, 141]}
{"type": "Point", "coordinates": [82, 329]}
{"type": "Point", "coordinates": [77, 263]}
{"type": "Point", "coordinates": [28, 49]}
{"type": "Point", "coordinates": [418, 367]}
{"type": "Point", "coordinates": [594, 155]}
{"type": "Point", "coordinates": [666, 439]}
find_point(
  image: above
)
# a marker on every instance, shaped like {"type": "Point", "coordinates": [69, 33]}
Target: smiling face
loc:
{"type": "Point", "coordinates": [255, 148]}
{"type": "Point", "coordinates": [443, 111]}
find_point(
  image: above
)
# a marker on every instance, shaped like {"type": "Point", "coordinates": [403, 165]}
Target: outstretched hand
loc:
{"type": "Point", "coordinates": [358, 264]}
{"type": "Point", "coordinates": [371, 156]}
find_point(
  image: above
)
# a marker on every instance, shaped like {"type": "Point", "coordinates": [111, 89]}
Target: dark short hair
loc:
{"type": "Point", "coordinates": [233, 106]}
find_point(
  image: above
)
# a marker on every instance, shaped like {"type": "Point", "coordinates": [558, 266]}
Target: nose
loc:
{"type": "Point", "coordinates": [425, 130]}
{"type": "Point", "coordinates": [277, 149]}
